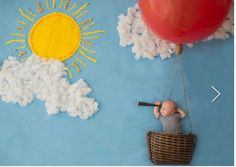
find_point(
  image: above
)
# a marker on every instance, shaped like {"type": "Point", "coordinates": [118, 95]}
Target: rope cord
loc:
{"type": "Point", "coordinates": [171, 77]}
{"type": "Point", "coordinates": [185, 95]}
{"type": "Point", "coordinates": [170, 85]}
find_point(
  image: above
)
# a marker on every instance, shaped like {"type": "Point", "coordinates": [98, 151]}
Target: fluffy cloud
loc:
{"type": "Point", "coordinates": [21, 82]}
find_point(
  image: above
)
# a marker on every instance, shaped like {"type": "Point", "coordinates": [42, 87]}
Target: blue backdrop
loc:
{"type": "Point", "coordinates": [116, 135]}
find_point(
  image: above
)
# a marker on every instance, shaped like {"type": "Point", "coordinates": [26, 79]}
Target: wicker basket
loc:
{"type": "Point", "coordinates": [170, 148]}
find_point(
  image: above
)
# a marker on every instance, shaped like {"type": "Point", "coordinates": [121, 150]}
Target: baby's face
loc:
{"type": "Point", "coordinates": [168, 108]}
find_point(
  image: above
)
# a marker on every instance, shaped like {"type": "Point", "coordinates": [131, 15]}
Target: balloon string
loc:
{"type": "Point", "coordinates": [172, 77]}
{"type": "Point", "coordinates": [171, 81]}
{"type": "Point", "coordinates": [170, 85]}
{"type": "Point", "coordinates": [185, 95]}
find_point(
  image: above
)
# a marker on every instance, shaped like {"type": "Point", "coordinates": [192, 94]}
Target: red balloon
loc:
{"type": "Point", "coordinates": [184, 21]}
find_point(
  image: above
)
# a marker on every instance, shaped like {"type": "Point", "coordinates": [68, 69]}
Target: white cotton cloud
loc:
{"type": "Point", "coordinates": [133, 31]}
{"type": "Point", "coordinates": [21, 82]}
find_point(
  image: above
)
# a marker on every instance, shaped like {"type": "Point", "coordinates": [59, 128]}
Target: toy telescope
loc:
{"type": "Point", "coordinates": [147, 104]}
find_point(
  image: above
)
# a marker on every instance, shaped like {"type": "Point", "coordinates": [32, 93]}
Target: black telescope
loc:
{"type": "Point", "coordinates": [147, 104]}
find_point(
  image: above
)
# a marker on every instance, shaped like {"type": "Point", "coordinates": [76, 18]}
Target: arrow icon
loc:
{"type": "Point", "coordinates": [218, 93]}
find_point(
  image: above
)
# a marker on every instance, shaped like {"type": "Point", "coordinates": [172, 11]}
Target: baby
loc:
{"type": "Point", "coordinates": [170, 116]}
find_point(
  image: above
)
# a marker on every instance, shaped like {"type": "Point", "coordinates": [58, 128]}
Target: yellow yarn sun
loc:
{"type": "Point", "coordinates": [55, 36]}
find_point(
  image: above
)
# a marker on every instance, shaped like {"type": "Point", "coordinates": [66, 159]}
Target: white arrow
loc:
{"type": "Point", "coordinates": [218, 93]}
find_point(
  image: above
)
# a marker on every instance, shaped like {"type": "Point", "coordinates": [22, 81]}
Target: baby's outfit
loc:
{"type": "Point", "coordinates": [171, 123]}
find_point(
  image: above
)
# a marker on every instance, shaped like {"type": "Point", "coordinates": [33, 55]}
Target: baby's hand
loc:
{"type": "Point", "coordinates": [158, 103]}
{"type": "Point", "coordinates": [156, 112]}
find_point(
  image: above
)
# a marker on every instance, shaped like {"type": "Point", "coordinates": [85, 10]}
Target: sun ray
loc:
{"type": "Point", "coordinates": [22, 22]}
{"type": "Point", "coordinates": [47, 4]}
{"type": "Point", "coordinates": [31, 12]}
{"type": "Point", "coordinates": [61, 3]}
{"type": "Point", "coordinates": [76, 66]}
{"type": "Point", "coordinates": [94, 32]}
{"type": "Point", "coordinates": [80, 9]}
{"type": "Point", "coordinates": [66, 4]}
{"type": "Point", "coordinates": [20, 28]}
{"type": "Point", "coordinates": [87, 56]}
{"type": "Point", "coordinates": [53, 3]}
{"type": "Point", "coordinates": [88, 43]}
{"type": "Point", "coordinates": [80, 61]}
{"type": "Point", "coordinates": [21, 47]}
{"type": "Point", "coordinates": [69, 72]}
{"type": "Point", "coordinates": [81, 14]}
{"type": "Point", "coordinates": [86, 21]}
{"type": "Point", "coordinates": [88, 50]}
{"type": "Point", "coordinates": [25, 15]}
{"type": "Point", "coordinates": [92, 37]}
{"type": "Point", "coordinates": [88, 26]}
{"type": "Point", "coordinates": [18, 35]}
{"type": "Point", "coordinates": [15, 41]}
{"type": "Point", "coordinates": [21, 53]}
{"type": "Point", "coordinates": [40, 10]}
{"type": "Point", "coordinates": [72, 7]}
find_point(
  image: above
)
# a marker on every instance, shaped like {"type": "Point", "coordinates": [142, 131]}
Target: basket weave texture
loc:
{"type": "Point", "coordinates": [170, 148]}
